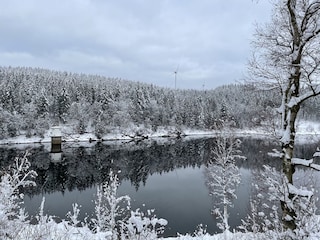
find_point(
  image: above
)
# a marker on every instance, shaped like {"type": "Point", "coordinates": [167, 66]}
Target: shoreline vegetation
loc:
{"type": "Point", "coordinates": [305, 129]}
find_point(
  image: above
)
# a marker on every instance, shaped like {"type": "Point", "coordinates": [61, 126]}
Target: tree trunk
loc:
{"type": "Point", "coordinates": [226, 221]}
{"type": "Point", "coordinates": [288, 169]}
{"type": "Point", "coordinates": [288, 213]}
{"type": "Point", "coordinates": [225, 217]}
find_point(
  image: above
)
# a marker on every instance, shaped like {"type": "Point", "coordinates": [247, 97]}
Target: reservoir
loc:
{"type": "Point", "coordinates": [168, 175]}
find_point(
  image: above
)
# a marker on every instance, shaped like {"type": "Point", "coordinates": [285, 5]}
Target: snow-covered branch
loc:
{"type": "Point", "coordinates": [12, 215]}
{"type": "Point", "coordinates": [305, 162]}
{"type": "Point", "coordinates": [299, 192]}
{"type": "Point", "coordinates": [294, 101]}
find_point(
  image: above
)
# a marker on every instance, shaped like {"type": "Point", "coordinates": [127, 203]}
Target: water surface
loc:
{"type": "Point", "coordinates": [166, 175]}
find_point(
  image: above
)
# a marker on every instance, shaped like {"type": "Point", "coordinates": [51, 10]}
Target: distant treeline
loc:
{"type": "Point", "coordinates": [32, 100]}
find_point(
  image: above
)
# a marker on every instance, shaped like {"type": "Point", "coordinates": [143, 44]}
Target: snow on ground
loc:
{"type": "Point", "coordinates": [306, 131]}
{"type": "Point", "coordinates": [65, 231]}
{"type": "Point", "coordinates": [308, 128]}
{"type": "Point", "coordinates": [222, 236]}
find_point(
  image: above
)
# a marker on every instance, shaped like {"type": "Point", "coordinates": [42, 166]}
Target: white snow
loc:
{"type": "Point", "coordinates": [299, 161]}
{"type": "Point", "coordinates": [305, 162]}
{"type": "Point", "coordinates": [315, 166]}
{"type": "Point", "coordinates": [64, 231]}
{"type": "Point", "coordinates": [275, 153]}
{"type": "Point", "coordinates": [306, 131]}
{"type": "Point", "coordinates": [298, 100]}
{"type": "Point", "coordinates": [316, 154]}
{"type": "Point", "coordinates": [299, 192]}
{"type": "Point", "coordinates": [286, 136]}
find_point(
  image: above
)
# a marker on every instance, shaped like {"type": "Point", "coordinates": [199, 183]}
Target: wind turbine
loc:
{"type": "Point", "coordinates": [175, 77]}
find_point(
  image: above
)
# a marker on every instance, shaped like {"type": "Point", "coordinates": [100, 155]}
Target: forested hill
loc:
{"type": "Point", "coordinates": [32, 100]}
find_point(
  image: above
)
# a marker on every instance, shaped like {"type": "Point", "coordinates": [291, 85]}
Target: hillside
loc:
{"type": "Point", "coordinates": [32, 100]}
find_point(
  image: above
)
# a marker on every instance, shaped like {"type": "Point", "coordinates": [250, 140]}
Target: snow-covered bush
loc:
{"type": "Point", "coordinates": [114, 218]}
{"type": "Point", "coordinates": [114, 215]}
{"type": "Point", "coordinates": [199, 233]}
{"type": "Point", "coordinates": [43, 227]}
{"type": "Point", "coordinates": [13, 217]}
{"type": "Point", "coordinates": [109, 208]}
{"type": "Point", "coordinates": [74, 215]}
{"type": "Point", "coordinates": [70, 229]}
{"type": "Point", "coordinates": [265, 215]}
{"type": "Point", "coordinates": [265, 207]}
{"type": "Point", "coordinates": [142, 226]}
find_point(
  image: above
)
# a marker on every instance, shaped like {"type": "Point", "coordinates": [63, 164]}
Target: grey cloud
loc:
{"type": "Point", "coordinates": [134, 39]}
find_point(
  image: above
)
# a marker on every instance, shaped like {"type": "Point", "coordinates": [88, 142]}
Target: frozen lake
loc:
{"type": "Point", "coordinates": [165, 175]}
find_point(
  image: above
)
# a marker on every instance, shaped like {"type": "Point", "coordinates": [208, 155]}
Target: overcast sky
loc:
{"type": "Point", "coordinates": [140, 40]}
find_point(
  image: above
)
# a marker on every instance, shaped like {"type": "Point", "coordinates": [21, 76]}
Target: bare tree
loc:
{"type": "Point", "coordinates": [287, 57]}
{"type": "Point", "coordinates": [223, 176]}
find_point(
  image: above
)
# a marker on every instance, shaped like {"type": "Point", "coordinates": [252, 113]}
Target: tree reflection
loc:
{"type": "Point", "coordinates": [83, 167]}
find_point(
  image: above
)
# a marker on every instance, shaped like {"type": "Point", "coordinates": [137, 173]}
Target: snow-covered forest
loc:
{"type": "Point", "coordinates": [32, 100]}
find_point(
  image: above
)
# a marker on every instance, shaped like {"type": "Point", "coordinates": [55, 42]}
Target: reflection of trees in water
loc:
{"type": "Point", "coordinates": [256, 152]}
{"type": "Point", "coordinates": [83, 167]}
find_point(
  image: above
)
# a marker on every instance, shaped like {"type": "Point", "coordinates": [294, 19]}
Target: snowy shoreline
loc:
{"type": "Point", "coordinates": [307, 131]}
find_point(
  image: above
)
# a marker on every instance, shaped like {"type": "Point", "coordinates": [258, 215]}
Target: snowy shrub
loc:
{"type": "Point", "coordinates": [114, 215]}
{"type": "Point", "coordinates": [142, 226]}
{"type": "Point", "coordinates": [99, 130]}
{"type": "Point", "coordinates": [109, 207]}
{"type": "Point", "coordinates": [74, 215]}
{"type": "Point", "coordinates": [265, 211]}
{"type": "Point", "coordinates": [306, 220]}
{"type": "Point", "coordinates": [265, 214]}
{"type": "Point", "coordinates": [47, 228]}
{"type": "Point", "coordinates": [114, 218]}
{"type": "Point", "coordinates": [200, 231]}
{"type": "Point", "coordinates": [12, 216]}
{"type": "Point", "coordinates": [43, 227]}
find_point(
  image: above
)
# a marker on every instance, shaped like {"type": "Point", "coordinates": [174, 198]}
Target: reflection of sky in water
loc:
{"type": "Point", "coordinates": [180, 196]}
{"type": "Point", "coordinates": [59, 204]}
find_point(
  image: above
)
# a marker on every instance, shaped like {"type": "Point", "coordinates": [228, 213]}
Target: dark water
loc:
{"type": "Point", "coordinates": [165, 175]}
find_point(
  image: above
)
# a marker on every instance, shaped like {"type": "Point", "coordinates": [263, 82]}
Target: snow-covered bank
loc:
{"type": "Point", "coordinates": [306, 131]}
{"type": "Point", "coordinates": [67, 232]}
{"type": "Point", "coordinates": [64, 231]}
